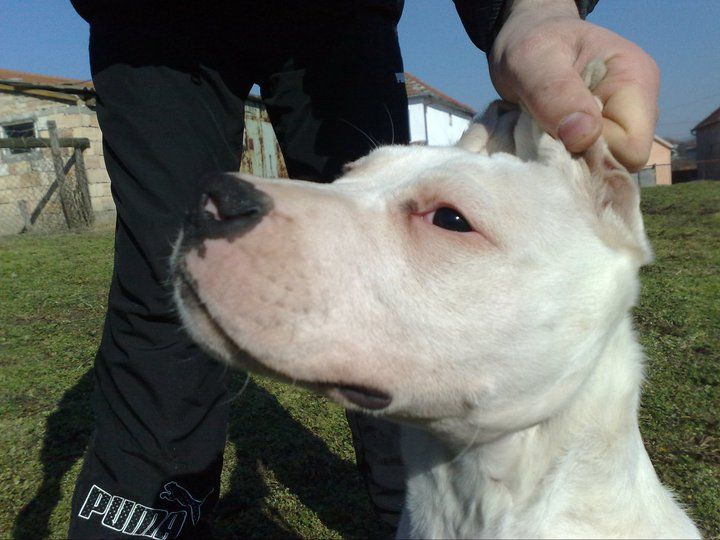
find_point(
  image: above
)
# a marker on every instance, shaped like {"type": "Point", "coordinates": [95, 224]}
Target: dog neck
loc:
{"type": "Point", "coordinates": [576, 474]}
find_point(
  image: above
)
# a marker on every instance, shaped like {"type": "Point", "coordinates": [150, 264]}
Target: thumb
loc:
{"type": "Point", "coordinates": [561, 103]}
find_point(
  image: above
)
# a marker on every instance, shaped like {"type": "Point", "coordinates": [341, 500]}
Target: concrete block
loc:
{"type": "Point", "coordinates": [90, 120]}
{"type": "Point", "coordinates": [95, 149]}
{"type": "Point", "coordinates": [6, 196]}
{"type": "Point", "coordinates": [97, 176]}
{"type": "Point", "coordinates": [44, 166]}
{"type": "Point", "coordinates": [9, 182]}
{"type": "Point", "coordinates": [69, 121]}
{"type": "Point", "coordinates": [42, 122]}
{"type": "Point", "coordinates": [30, 180]}
{"type": "Point", "coordinates": [93, 162]}
{"type": "Point", "coordinates": [103, 204]}
{"type": "Point", "coordinates": [18, 167]}
{"type": "Point", "coordinates": [91, 133]}
{"type": "Point", "coordinates": [104, 217]}
{"type": "Point", "coordinates": [99, 190]}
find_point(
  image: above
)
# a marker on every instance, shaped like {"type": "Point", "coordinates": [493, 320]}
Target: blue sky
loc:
{"type": "Point", "coordinates": [683, 36]}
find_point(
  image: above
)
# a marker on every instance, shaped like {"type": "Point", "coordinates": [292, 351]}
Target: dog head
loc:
{"type": "Point", "coordinates": [476, 283]}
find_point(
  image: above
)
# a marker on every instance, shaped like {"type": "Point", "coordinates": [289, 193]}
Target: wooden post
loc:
{"type": "Point", "coordinates": [33, 142]}
{"type": "Point", "coordinates": [83, 187]}
{"type": "Point", "coordinates": [65, 191]}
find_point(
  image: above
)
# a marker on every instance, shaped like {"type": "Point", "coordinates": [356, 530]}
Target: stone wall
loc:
{"type": "Point", "coordinates": [27, 179]}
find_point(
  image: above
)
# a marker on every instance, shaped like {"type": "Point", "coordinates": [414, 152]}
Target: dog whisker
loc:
{"type": "Point", "coordinates": [374, 144]}
{"type": "Point", "coordinates": [240, 392]}
{"type": "Point", "coordinates": [392, 124]}
{"type": "Point", "coordinates": [469, 445]}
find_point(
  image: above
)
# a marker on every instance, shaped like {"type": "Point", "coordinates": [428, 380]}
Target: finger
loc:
{"type": "Point", "coordinates": [558, 99]}
{"type": "Point", "coordinates": [630, 110]}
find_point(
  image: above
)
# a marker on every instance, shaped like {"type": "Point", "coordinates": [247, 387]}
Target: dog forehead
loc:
{"type": "Point", "coordinates": [443, 172]}
{"type": "Point", "coordinates": [397, 163]}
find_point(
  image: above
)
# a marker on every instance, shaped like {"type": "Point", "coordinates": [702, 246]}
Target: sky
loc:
{"type": "Point", "coordinates": [683, 36]}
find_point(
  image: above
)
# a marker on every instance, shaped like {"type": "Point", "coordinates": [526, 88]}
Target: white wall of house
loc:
{"type": "Point", "coordinates": [432, 125]}
{"type": "Point", "coordinates": [417, 123]}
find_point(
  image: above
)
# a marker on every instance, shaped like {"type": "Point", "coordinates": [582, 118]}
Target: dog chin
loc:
{"type": "Point", "coordinates": [206, 331]}
{"type": "Point", "coordinates": [202, 328]}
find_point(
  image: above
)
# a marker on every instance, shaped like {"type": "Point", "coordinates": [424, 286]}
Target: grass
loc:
{"type": "Point", "coordinates": [52, 297]}
{"type": "Point", "coordinates": [679, 324]}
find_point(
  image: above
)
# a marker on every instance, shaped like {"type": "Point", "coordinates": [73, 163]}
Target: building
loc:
{"type": "Point", "coordinates": [658, 169]}
{"type": "Point", "coordinates": [29, 194]}
{"type": "Point", "coordinates": [30, 197]}
{"type": "Point", "coordinates": [684, 161]}
{"type": "Point", "coordinates": [436, 119]}
{"type": "Point", "coordinates": [707, 134]}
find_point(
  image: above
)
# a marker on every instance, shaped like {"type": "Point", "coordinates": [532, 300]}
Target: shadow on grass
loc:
{"type": "Point", "coordinates": [268, 443]}
{"type": "Point", "coordinates": [67, 433]}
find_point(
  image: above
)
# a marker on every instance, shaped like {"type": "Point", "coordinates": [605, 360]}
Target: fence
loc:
{"type": "Point", "coordinates": [45, 186]}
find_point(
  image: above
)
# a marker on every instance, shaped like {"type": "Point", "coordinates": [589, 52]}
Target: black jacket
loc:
{"type": "Point", "coordinates": [481, 18]}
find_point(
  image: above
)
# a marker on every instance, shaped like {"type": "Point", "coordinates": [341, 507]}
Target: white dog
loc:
{"type": "Point", "coordinates": [478, 294]}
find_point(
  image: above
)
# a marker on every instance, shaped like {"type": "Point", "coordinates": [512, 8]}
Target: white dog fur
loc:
{"type": "Point", "coordinates": [507, 352]}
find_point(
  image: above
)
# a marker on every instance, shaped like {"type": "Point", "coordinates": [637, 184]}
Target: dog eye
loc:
{"type": "Point", "coordinates": [450, 219]}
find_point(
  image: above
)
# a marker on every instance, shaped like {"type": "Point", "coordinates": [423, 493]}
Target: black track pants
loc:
{"type": "Point", "coordinates": [171, 84]}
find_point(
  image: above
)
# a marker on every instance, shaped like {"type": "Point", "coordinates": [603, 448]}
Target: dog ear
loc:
{"type": "Point", "coordinates": [492, 131]}
{"type": "Point", "coordinates": [615, 198]}
{"type": "Point", "coordinates": [532, 143]}
{"type": "Point", "coordinates": [613, 194]}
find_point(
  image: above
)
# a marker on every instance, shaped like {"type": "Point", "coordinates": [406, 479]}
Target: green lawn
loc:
{"type": "Point", "coordinates": [289, 467]}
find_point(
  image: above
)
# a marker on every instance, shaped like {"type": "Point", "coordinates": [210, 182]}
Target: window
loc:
{"type": "Point", "coordinates": [17, 131]}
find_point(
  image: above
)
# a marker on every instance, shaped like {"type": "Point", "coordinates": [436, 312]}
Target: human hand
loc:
{"type": "Point", "coordinates": [537, 59]}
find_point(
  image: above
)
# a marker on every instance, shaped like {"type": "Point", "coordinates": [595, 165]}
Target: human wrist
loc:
{"type": "Point", "coordinates": [520, 17]}
{"type": "Point", "coordinates": [546, 8]}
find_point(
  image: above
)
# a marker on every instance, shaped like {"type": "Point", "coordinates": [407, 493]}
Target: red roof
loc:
{"type": "Point", "coordinates": [21, 76]}
{"type": "Point", "coordinates": [416, 87]}
{"type": "Point", "coordinates": [712, 119]}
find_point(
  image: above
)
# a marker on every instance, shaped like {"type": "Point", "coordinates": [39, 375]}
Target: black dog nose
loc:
{"type": "Point", "coordinates": [229, 206]}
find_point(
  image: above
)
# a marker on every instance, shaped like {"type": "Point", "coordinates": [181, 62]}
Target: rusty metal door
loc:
{"type": "Point", "coordinates": [261, 153]}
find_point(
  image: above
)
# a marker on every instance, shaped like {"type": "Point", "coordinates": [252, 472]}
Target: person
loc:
{"type": "Point", "coordinates": [171, 80]}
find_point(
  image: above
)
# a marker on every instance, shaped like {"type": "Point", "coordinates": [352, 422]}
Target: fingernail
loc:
{"type": "Point", "coordinates": [576, 127]}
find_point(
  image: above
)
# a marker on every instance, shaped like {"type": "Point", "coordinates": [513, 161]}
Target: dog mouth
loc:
{"type": "Point", "coordinates": [366, 398]}
{"type": "Point", "coordinates": [363, 397]}
{"type": "Point", "coordinates": [186, 289]}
